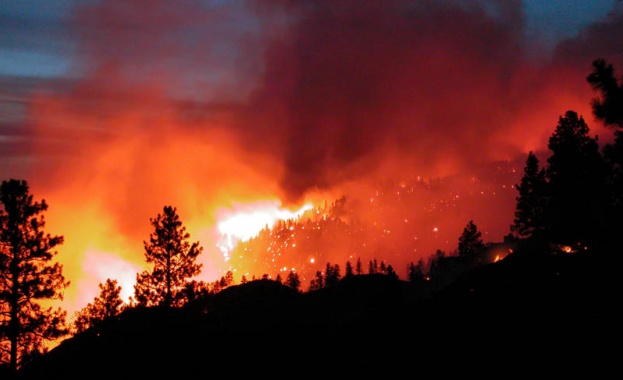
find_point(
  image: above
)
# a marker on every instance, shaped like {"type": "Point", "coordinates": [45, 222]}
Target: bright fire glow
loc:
{"type": "Point", "coordinates": [100, 266]}
{"type": "Point", "coordinates": [108, 149]}
{"type": "Point", "coordinates": [244, 221]}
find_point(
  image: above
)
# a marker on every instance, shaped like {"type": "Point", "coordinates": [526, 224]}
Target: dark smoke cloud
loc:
{"type": "Point", "coordinates": [335, 92]}
{"type": "Point", "coordinates": [352, 82]}
{"type": "Point", "coordinates": [437, 83]}
{"type": "Point", "coordinates": [600, 39]}
{"type": "Point", "coordinates": [204, 104]}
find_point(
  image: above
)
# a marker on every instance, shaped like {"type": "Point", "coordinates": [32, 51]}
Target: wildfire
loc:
{"type": "Point", "coordinates": [102, 266]}
{"type": "Point", "coordinates": [244, 221]}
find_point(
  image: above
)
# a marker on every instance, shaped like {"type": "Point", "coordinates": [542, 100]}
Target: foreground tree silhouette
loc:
{"type": "Point", "coordinates": [576, 176]}
{"type": "Point", "coordinates": [332, 274]}
{"type": "Point", "coordinates": [27, 276]}
{"type": "Point", "coordinates": [293, 281]}
{"type": "Point", "coordinates": [415, 272]}
{"type": "Point", "coordinates": [173, 259]}
{"type": "Point", "coordinates": [531, 201]}
{"type": "Point", "coordinates": [107, 304]}
{"type": "Point", "coordinates": [609, 107]}
{"type": "Point", "coordinates": [470, 242]}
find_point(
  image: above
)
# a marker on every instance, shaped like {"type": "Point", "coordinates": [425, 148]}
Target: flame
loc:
{"type": "Point", "coordinates": [568, 248]}
{"type": "Point", "coordinates": [99, 266]}
{"type": "Point", "coordinates": [245, 220]}
{"type": "Point", "coordinates": [108, 151]}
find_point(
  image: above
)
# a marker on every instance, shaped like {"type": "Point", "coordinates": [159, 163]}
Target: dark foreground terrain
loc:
{"type": "Point", "coordinates": [521, 317]}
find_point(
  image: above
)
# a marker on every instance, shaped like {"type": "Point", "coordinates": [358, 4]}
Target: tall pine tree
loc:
{"type": "Point", "coordinates": [108, 304]}
{"type": "Point", "coordinates": [613, 157]}
{"type": "Point", "coordinates": [609, 107]}
{"type": "Point", "coordinates": [27, 277]}
{"type": "Point", "coordinates": [471, 245]}
{"type": "Point", "coordinates": [576, 177]}
{"type": "Point", "coordinates": [174, 261]}
{"type": "Point", "coordinates": [531, 201]}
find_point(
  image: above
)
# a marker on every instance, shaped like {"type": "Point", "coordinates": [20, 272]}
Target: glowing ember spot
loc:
{"type": "Point", "coordinates": [245, 221]}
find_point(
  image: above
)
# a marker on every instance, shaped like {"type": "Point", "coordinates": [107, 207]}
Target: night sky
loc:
{"type": "Point", "coordinates": [112, 109]}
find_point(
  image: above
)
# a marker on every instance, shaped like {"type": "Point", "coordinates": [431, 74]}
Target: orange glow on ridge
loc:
{"type": "Point", "coordinates": [245, 221]}
{"type": "Point", "coordinates": [272, 122]}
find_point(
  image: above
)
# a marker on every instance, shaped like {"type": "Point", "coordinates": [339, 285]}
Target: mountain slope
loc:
{"type": "Point", "coordinates": [518, 317]}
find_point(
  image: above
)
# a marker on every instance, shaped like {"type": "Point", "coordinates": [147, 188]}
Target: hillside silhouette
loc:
{"type": "Point", "coordinates": [519, 317]}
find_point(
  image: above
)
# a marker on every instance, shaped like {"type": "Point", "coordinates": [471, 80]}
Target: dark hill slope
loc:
{"type": "Point", "coordinates": [518, 318]}
{"type": "Point", "coordinates": [528, 316]}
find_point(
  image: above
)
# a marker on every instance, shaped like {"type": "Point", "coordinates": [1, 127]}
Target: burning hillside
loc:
{"type": "Point", "coordinates": [398, 223]}
{"type": "Point", "coordinates": [283, 105]}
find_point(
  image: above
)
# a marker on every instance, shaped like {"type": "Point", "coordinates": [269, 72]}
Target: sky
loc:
{"type": "Point", "coordinates": [111, 109]}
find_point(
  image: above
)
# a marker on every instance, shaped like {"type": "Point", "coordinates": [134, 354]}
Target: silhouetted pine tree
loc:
{"type": "Point", "coordinates": [27, 277]}
{"type": "Point", "coordinates": [348, 269]}
{"type": "Point", "coordinates": [373, 266]}
{"type": "Point", "coordinates": [439, 267]}
{"type": "Point", "coordinates": [416, 272]}
{"type": "Point", "coordinates": [608, 108]}
{"type": "Point", "coordinates": [613, 157]}
{"type": "Point", "coordinates": [195, 290]}
{"type": "Point", "coordinates": [332, 274]}
{"type": "Point", "coordinates": [531, 201]}
{"type": "Point", "coordinates": [173, 259]}
{"type": "Point", "coordinates": [229, 278]}
{"type": "Point", "coordinates": [107, 304]}
{"type": "Point", "coordinates": [576, 176]}
{"type": "Point", "coordinates": [317, 283]}
{"type": "Point", "coordinates": [390, 272]}
{"type": "Point", "coordinates": [383, 267]}
{"type": "Point", "coordinates": [471, 245]}
{"type": "Point", "coordinates": [293, 280]}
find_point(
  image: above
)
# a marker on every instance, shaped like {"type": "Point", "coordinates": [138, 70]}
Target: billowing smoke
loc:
{"type": "Point", "coordinates": [202, 106]}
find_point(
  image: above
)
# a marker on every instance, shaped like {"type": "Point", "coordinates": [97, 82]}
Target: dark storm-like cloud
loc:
{"type": "Point", "coordinates": [351, 82]}
{"type": "Point", "coordinates": [205, 104]}
{"type": "Point", "coordinates": [434, 87]}
{"type": "Point", "coordinates": [333, 92]}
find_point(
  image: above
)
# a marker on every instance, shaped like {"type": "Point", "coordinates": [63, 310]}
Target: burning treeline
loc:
{"type": "Point", "coordinates": [209, 107]}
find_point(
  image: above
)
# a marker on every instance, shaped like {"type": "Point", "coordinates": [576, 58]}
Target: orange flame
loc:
{"type": "Point", "coordinates": [245, 221]}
